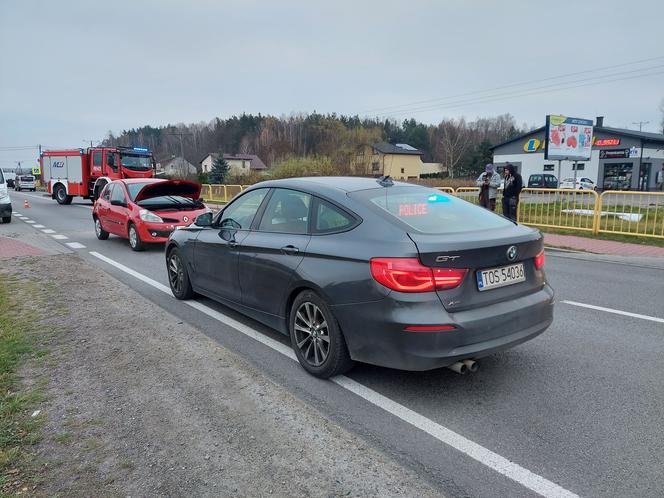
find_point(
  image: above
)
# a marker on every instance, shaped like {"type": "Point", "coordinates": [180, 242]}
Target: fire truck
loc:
{"type": "Point", "coordinates": [85, 172]}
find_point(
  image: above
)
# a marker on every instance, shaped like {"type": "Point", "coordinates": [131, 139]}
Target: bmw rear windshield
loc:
{"type": "Point", "coordinates": [430, 211]}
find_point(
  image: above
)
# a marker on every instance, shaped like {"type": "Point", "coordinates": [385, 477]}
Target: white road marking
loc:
{"type": "Point", "coordinates": [500, 464]}
{"type": "Point", "coordinates": [59, 237]}
{"type": "Point", "coordinates": [617, 312]}
{"type": "Point", "coordinates": [48, 230]}
{"type": "Point", "coordinates": [75, 245]}
{"type": "Point", "coordinates": [39, 226]}
{"type": "Point", "coordinates": [30, 221]}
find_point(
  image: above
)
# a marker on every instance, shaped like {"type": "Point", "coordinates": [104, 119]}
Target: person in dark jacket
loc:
{"type": "Point", "coordinates": [511, 191]}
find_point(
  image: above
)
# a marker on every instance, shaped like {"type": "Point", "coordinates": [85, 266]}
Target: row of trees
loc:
{"type": "Point", "coordinates": [463, 146]}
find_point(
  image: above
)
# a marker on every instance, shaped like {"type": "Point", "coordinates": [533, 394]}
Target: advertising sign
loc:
{"type": "Point", "coordinates": [568, 138]}
{"type": "Point", "coordinates": [613, 154]}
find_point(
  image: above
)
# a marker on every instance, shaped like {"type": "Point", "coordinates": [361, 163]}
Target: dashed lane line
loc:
{"type": "Point", "coordinates": [48, 230]}
{"type": "Point", "coordinates": [75, 245]}
{"type": "Point", "coordinates": [39, 226]}
{"type": "Point", "coordinates": [59, 237]}
{"type": "Point", "coordinates": [500, 464]}
{"type": "Point", "coordinates": [615, 312]}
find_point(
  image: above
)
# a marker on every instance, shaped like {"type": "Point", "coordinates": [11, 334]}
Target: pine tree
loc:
{"type": "Point", "coordinates": [219, 170]}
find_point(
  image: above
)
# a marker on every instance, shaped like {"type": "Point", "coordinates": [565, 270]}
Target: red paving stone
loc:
{"type": "Point", "coordinates": [600, 246]}
{"type": "Point", "coordinates": [10, 248]}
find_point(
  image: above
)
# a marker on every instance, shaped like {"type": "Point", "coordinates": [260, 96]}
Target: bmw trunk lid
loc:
{"type": "Point", "coordinates": [479, 251]}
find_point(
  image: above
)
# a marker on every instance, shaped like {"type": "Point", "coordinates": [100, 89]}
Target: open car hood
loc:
{"type": "Point", "coordinates": [183, 188]}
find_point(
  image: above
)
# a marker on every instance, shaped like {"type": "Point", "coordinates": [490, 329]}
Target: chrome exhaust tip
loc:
{"type": "Point", "coordinates": [458, 367]}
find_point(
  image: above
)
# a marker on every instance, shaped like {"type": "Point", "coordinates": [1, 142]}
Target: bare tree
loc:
{"type": "Point", "coordinates": [453, 140]}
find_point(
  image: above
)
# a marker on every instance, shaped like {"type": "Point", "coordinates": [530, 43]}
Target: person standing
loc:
{"type": "Point", "coordinates": [659, 179]}
{"type": "Point", "coordinates": [511, 191]}
{"type": "Point", "coordinates": [488, 182]}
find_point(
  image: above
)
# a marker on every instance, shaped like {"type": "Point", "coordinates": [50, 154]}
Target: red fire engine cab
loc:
{"type": "Point", "coordinates": [84, 172]}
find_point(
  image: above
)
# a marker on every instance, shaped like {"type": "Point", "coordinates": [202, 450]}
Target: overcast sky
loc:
{"type": "Point", "coordinates": [73, 70]}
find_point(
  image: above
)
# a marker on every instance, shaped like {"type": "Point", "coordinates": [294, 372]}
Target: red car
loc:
{"type": "Point", "coordinates": [146, 210]}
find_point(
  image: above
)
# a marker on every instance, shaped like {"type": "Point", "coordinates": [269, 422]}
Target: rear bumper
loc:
{"type": "Point", "coordinates": [5, 210]}
{"type": "Point", "coordinates": [375, 333]}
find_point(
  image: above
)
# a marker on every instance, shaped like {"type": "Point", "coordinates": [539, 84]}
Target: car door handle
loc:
{"type": "Point", "coordinates": [290, 250]}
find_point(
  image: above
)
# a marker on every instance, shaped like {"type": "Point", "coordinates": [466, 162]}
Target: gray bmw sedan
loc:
{"type": "Point", "coordinates": [376, 271]}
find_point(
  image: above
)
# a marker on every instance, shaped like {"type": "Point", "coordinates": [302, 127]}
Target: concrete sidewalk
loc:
{"type": "Point", "coordinates": [599, 246]}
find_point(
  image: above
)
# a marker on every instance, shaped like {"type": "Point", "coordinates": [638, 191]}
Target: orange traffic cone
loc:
{"type": "Point", "coordinates": [26, 204]}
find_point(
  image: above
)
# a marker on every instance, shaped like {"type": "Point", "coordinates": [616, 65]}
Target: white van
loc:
{"type": "Point", "coordinates": [5, 201]}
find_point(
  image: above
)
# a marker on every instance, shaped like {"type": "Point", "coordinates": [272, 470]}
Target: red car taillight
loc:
{"type": "Point", "coordinates": [409, 275]}
{"type": "Point", "coordinates": [539, 261]}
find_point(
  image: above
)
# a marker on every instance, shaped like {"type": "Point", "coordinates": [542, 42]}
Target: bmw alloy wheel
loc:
{"type": "Point", "coordinates": [311, 334]}
{"type": "Point", "coordinates": [175, 273]}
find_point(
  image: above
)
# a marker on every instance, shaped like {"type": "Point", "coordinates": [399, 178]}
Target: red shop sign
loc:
{"type": "Point", "coordinates": [607, 141]}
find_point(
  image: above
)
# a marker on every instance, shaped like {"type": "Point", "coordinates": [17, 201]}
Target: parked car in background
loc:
{"type": "Point", "coordinates": [621, 182]}
{"type": "Point", "coordinates": [146, 210]}
{"type": "Point", "coordinates": [581, 184]}
{"type": "Point", "coordinates": [24, 182]}
{"type": "Point", "coordinates": [357, 269]}
{"type": "Point", "coordinates": [5, 201]}
{"type": "Point", "coordinates": [542, 181]}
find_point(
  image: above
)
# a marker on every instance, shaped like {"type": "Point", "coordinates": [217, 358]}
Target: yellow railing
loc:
{"type": "Point", "coordinates": [559, 208]}
{"type": "Point", "coordinates": [640, 214]}
{"type": "Point", "coordinates": [220, 193]}
{"type": "Point", "coordinates": [631, 213]}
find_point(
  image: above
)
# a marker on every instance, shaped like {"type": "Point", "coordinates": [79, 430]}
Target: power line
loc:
{"type": "Point", "coordinates": [513, 85]}
{"type": "Point", "coordinates": [525, 92]}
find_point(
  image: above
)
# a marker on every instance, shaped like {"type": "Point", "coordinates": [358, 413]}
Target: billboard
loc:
{"type": "Point", "coordinates": [568, 138]}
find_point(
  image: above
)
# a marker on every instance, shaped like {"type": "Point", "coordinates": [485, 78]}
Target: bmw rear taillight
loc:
{"type": "Point", "coordinates": [539, 260]}
{"type": "Point", "coordinates": [409, 275]}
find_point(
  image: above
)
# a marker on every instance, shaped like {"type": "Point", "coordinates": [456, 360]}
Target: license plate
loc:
{"type": "Point", "coordinates": [493, 278]}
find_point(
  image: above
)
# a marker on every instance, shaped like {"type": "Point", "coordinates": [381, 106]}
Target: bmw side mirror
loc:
{"type": "Point", "coordinates": [228, 229]}
{"type": "Point", "coordinates": [203, 220]}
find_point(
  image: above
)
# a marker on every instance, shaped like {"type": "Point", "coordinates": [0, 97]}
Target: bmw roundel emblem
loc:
{"type": "Point", "coordinates": [186, 219]}
{"type": "Point", "coordinates": [511, 253]}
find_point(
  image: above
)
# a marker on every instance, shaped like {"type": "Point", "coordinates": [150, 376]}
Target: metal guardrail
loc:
{"type": "Point", "coordinates": [639, 214]}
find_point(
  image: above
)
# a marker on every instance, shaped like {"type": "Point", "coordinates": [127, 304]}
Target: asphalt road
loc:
{"type": "Point", "coordinates": [579, 407]}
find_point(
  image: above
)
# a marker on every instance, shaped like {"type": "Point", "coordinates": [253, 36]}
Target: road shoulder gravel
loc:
{"type": "Point", "coordinates": [141, 404]}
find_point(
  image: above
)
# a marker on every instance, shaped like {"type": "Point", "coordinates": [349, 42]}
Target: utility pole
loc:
{"type": "Point", "coordinates": [91, 142]}
{"type": "Point", "coordinates": [181, 134]}
{"type": "Point", "coordinates": [640, 123]}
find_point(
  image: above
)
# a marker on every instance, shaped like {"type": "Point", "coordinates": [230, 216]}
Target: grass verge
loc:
{"type": "Point", "coordinates": [18, 428]}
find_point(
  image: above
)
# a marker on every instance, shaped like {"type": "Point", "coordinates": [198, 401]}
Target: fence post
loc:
{"type": "Point", "coordinates": [598, 212]}
{"type": "Point", "coordinates": [225, 194]}
{"type": "Point", "coordinates": [209, 191]}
